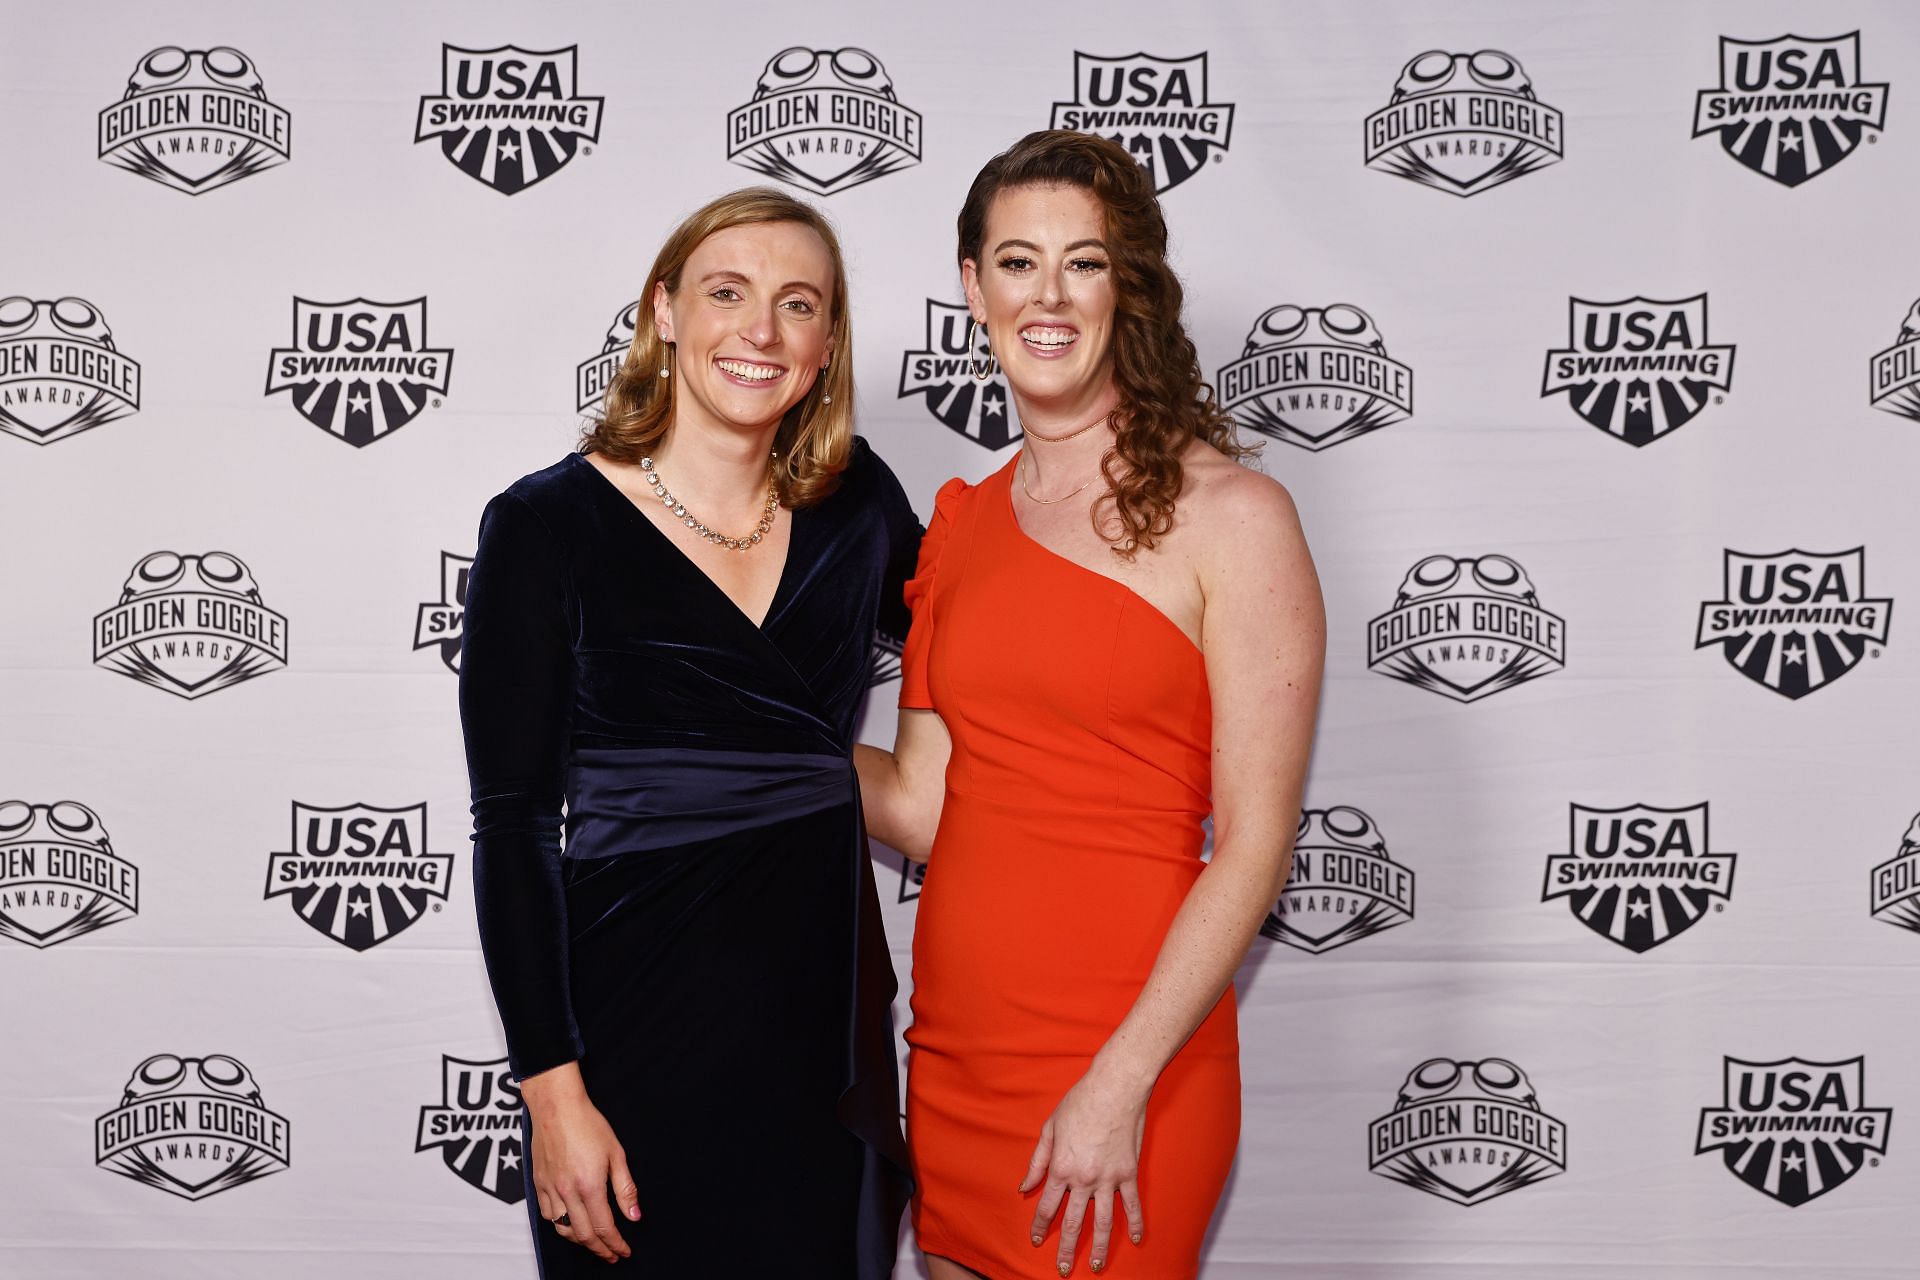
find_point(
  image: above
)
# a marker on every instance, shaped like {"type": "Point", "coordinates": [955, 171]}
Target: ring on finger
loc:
{"type": "Point", "coordinates": [564, 1220]}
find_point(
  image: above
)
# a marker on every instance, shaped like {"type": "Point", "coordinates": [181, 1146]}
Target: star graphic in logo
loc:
{"type": "Point", "coordinates": [360, 907]}
{"type": "Point", "coordinates": [1793, 1163]}
{"type": "Point", "coordinates": [1638, 402]}
{"type": "Point", "coordinates": [358, 402]}
{"type": "Point", "coordinates": [509, 1159]}
{"type": "Point", "coordinates": [509, 149]}
{"type": "Point", "coordinates": [1796, 654]}
{"type": "Point", "coordinates": [1789, 141]}
{"type": "Point", "coordinates": [994, 403]}
{"type": "Point", "coordinates": [1640, 908]}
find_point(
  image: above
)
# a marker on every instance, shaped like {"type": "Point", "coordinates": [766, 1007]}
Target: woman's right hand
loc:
{"type": "Point", "coordinates": [576, 1159]}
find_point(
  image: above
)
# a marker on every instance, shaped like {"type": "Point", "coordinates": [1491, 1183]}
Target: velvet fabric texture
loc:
{"type": "Point", "coordinates": [706, 939]}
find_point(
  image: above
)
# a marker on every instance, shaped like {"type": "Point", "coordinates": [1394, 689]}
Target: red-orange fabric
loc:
{"type": "Point", "coordinates": [1072, 831]}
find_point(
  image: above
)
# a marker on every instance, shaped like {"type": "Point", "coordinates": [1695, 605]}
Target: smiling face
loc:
{"type": "Point", "coordinates": [1043, 287]}
{"type": "Point", "coordinates": [751, 324]}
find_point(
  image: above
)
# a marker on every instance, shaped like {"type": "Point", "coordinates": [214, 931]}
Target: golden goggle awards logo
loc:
{"type": "Point", "coordinates": [1464, 123]}
{"type": "Point", "coordinates": [59, 875]}
{"type": "Point", "coordinates": [1466, 628]}
{"type": "Point", "coordinates": [192, 1127]}
{"type": "Point", "coordinates": [1344, 885]}
{"type": "Point", "coordinates": [60, 372]}
{"type": "Point", "coordinates": [1467, 1132]}
{"type": "Point", "coordinates": [1895, 884]}
{"type": "Point", "coordinates": [1316, 377]}
{"type": "Point", "coordinates": [195, 120]}
{"type": "Point", "coordinates": [1894, 374]}
{"type": "Point", "coordinates": [191, 625]}
{"type": "Point", "coordinates": [592, 376]}
{"type": "Point", "coordinates": [824, 120]}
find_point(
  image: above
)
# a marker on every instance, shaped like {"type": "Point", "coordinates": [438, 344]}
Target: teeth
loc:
{"type": "Point", "coordinates": [751, 372]}
{"type": "Point", "coordinates": [1049, 337]}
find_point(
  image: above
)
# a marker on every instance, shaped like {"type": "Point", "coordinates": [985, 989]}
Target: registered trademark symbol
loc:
{"type": "Point", "coordinates": [586, 151]}
{"type": "Point", "coordinates": [1718, 906]}
{"type": "Point", "coordinates": [1873, 138]}
{"type": "Point", "coordinates": [1218, 157]}
{"type": "Point", "coordinates": [436, 402]}
{"type": "Point", "coordinates": [1874, 652]}
{"type": "Point", "coordinates": [1874, 1161]}
{"type": "Point", "coordinates": [1719, 399]}
{"type": "Point", "coordinates": [436, 906]}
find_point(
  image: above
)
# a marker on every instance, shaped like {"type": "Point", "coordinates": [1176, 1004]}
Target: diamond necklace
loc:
{"type": "Point", "coordinates": [679, 508]}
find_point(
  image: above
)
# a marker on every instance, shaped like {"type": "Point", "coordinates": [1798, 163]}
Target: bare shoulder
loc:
{"type": "Point", "coordinates": [1235, 513]}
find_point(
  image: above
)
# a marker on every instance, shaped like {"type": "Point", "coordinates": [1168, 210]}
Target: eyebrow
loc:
{"type": "Point", "coordinates": [728, 274]}
{"type": "Point", "coordinates": [1028, 244]}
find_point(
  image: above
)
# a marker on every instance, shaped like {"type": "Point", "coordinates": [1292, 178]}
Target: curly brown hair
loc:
{"type": "Point", "coordinates": [1165, 401]}
{"type": "Point", "coordinates": [815, 439]}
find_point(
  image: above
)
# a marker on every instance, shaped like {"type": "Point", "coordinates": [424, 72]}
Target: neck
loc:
{"type": "Point", "coordinates": [1061, 464]}
{"type": "Point", "coordinates": [724, 471]}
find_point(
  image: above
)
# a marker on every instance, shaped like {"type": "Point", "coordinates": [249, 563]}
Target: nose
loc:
{"type": "Point", "coordinates": [758, 325]}
{"type": "Point", "coordinates": [1049, 290]}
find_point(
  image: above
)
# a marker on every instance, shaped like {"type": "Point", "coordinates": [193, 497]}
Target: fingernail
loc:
{"type": "Point", "coordinates": [1037, 1239]}
{"type": "Point", "coordinates": [1098, 1264]}
{"type": "Point", "coordinates": [1065, 1267]}
{"type": "Point", "coordinates": [1136, 1237]}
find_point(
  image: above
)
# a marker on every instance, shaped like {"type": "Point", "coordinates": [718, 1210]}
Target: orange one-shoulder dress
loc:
{"type": "Point", "coordinates": [1071, 834]}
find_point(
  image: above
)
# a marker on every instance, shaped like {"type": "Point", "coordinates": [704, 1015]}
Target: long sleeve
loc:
{"type": "Point", "coordinates": [516, 699]}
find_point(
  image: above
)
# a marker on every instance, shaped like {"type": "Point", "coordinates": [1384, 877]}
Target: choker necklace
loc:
{"type": "Point", "coordinates": [1105, 417]}
{"type": "Point", "coordinates": [1045, 502]}
{"type": "Point", "coordinates": [679, 508]}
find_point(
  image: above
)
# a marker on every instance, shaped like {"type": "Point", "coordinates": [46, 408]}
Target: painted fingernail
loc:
{"type": "Point", "coordinates": [1037, 1239]}
{"type": "Point", "coordinates": [1099, 1264]}
{"type": "Point", "coordinates": [1065, 1267]}
{"type": "Point", "coordinates": [1136, 1237]}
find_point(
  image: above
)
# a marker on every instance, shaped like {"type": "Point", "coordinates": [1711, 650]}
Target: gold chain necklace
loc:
{"type": "Point", "coordinates": [1045, 502]}
{"type": "Point", "coordinates": [679, 508]}
{"type": "Point", "coordinates": [1105, 417]}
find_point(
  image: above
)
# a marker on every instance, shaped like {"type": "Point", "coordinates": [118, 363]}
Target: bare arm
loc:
{"type": "Point", "coordinates": [1263, 634]}
{"type": "Point", "coordinates": [903, 790]}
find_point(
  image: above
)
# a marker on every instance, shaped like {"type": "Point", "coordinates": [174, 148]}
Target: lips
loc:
{"type": "Point", "coordinates": [1049, 341]}
{"type": "Point", "coordinates": [749, 373]}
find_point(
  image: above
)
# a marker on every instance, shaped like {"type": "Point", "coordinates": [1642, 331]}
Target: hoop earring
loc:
{"type": "Point", "coordinates": [973, 365]}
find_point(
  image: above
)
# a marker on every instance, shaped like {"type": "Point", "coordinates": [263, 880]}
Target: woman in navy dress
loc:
{"type": "Point", "coordinates": [669, 632]}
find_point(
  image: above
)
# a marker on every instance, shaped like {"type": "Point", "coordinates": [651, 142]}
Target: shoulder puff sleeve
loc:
{"type": "Point", "coordinates": [516, 703]}
{"type": "Point", "coordinates": [915, 693]}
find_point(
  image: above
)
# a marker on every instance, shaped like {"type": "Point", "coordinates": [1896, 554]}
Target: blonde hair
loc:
{"type": "Point", "coordinates": [815, 437]}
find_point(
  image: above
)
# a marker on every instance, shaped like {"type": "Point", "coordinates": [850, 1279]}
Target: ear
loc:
{"type": "Point", "coordinates": [970, 284]}
{"type": "Point", "coordinates": [662, 311]}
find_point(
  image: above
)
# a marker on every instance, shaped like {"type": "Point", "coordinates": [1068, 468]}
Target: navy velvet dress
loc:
{"type": "Point", "coordinates": [706, 940]}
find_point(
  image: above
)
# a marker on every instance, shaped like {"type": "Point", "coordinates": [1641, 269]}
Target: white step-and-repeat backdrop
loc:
{"type": "Point", "coordinates": [1584, 335]}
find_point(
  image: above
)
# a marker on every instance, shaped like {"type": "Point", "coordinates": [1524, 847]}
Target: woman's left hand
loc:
{"type": "Point", "coordinates": [1089, 1151]}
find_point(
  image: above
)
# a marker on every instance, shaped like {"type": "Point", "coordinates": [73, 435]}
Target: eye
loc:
{"type": "Point", "coordinates": [1014, 262]}
{"type": "Point", "coordinates": [725, 293]}
{"type": "Point", "coordinates": [799, 306]}
{"type": "Point", "coordinates": [1087, 265]}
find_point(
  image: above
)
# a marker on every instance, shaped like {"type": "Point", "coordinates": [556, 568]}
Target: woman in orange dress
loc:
{"type": "Point", "coordinates": [1115, 635]}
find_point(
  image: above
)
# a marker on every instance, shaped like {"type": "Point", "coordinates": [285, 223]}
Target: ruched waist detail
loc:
{"type": "Point", "coordinates": [630, 799]}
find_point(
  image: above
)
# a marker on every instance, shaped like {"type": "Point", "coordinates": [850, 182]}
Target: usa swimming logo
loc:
{"type": "Point", "coordinates": [359, 874]}
{"type": "Point", "coordinates": [195, 120]}
{"type": "Point", "coordinates": [60, 370]}
{"type": "Point", "coordinates": [192, 1127]}
{"type": "Point", "coordinates": [1640, 368]}
{"type": "Point", "coordinates": [1639, 875]}
{"type": "Point", "coordinates": [360, 370]}
{"type": "Point", "coordinates": [59, 875]}
{"type": "Point", "coordinates": [1793, 107]}
{"type": "Point", "coordinates": [942, 375]}
{"type": "Point", "coordinates": [1316, 377]}
{"type": "Point", "coordinates": [1159, 109]}
{"type": "Point", "coordinates": [1893, 377]}
{"type": "Point", "coordinates": [825, 120]}
{"type": "Point", "coordinates": [1894, 887]}
{"type": "Point", "coordinates": [1467, 1131]}
{"type": "Point", "coordinates": [1464, 123]}
{"type": "Point", "coordinates": [509, 117]}
{"type": "Point", "coordinates": [592, 376]}
{"type": "Point", "coordinates": [1794, 1129]}
{"type": "Point", "coordinates": [1344, 885]}
{"type": "Point", "coordinates": [191, 625]}
{"type": "Point", "coordinates": [1466, 628]}
{"type": "Point", "coordinates": [913, 877]}
{"type": "Point", "coordinates": [1795, 621]}
{"type": "Point", "coordinates": [440, 624]}
{"type": "Point", "coordinates": [476, 1127]}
